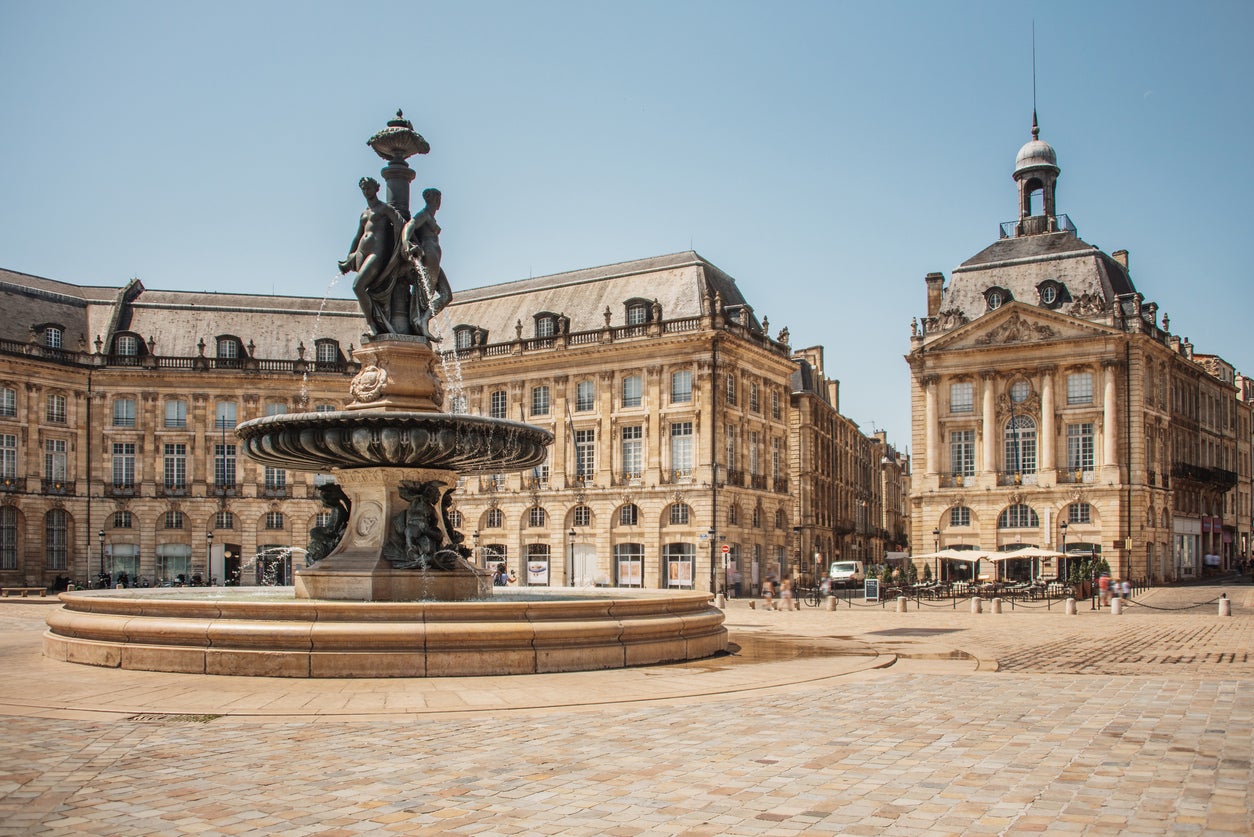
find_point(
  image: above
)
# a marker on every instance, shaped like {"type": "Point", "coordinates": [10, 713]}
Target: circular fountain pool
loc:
{"type": "Point", "coordinates": [267, 632]}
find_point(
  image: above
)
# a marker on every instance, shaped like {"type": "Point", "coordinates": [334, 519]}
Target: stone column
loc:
{"type": "Point", "coordinates": [1048, 431]}
{"type": "Point", "coordinates": [1110, 416]}
{"type": "Point", "coordinates": [988, 428]}
{"type": "Point", "coordinates": [932, 414]}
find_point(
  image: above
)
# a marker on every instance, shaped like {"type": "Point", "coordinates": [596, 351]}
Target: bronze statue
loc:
{"type": "Point", "coordinates": [323, 539]}
{"type": "Point", "coordinates": [421, 238]}
{"type": "Point", "coordinates": [374, 255]}
{"type": "Point", "coordinates": [416, 539]}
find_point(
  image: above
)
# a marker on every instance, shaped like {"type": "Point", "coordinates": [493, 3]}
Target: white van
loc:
{"type": "Point", "coordinates": [847, 573]}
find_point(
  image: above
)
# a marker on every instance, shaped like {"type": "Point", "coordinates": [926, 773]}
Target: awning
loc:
{"type": "Point", "coordinates": [1026, 552]}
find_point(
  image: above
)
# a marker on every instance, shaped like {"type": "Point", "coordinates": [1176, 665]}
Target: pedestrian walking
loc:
{"type": "Point", "coordinates": [768, 594]}
{"type": "Point", "coordinates": [1103, 590]}
{"type": "Point", "coordinates": [1125, 589]}
{"type": "Point", "coordinates": [785, 593]}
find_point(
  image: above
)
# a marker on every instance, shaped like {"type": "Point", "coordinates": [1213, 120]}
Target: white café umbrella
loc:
{"type": "Point", "coordinates": [1032, 552]}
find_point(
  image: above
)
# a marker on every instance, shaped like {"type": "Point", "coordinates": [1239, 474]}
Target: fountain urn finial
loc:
{"type": "Point", "coordinates": [395, 144]}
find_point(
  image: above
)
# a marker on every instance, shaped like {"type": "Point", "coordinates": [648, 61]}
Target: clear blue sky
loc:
{"type": "Point", "coordinates": [826, 155]}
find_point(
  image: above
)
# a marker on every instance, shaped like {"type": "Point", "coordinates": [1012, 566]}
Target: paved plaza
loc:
{"type": "Point", "coordinates": [862, 720]}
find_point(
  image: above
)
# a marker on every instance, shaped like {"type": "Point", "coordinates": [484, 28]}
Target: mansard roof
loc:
{"type": "Point", "coordinates": [680, 282]}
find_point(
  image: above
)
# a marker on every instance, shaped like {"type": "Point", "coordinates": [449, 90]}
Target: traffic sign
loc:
{"type": "Point", "coordinates": [725, 549]}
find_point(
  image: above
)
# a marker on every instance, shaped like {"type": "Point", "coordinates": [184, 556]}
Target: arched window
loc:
{"type": "Point", "coordinates": [224, 520]}
{"type": "Point", "coordinates": [1018, 516]}
{"type": "Point", "coordinates": [123, 520]}
{"type": "Point", "coordinates": [274, 520]}
{"type": "Point", "coordinates": [494, 520]}
{"type": "Point", "coordinates": [1021, 445]}
{"type": "Point", "coordinates": [959, 516]}
{"type": "Point", "coordinates": [680, 513]}
{"type": "Point", "coordinates": [174, 520]}
{"type": "Point", "coordinates": [581, 516]}
{"type": "Point", "coordinates": [536, 517]}
{"type": "Point", "coordinates": [8, 538]}
{"type": "Point", "coordinates": [1079, 513]}
{"type": "Point", "coordinates": [628, 514]}
{"type": "Point", "coordinates": [56, 538]}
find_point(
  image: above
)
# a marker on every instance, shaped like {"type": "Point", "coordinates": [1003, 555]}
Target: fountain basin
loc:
{"type": "Point", "coordinates": [346, 439]}
{"type": "Point", "coordinates": [272, 634]}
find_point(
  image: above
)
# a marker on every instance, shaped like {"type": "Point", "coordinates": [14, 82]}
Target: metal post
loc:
{"type": "Point", "coordinates": [102, 566]}
{"type": "Point", "coordinates": [208, 556]}
{"type": "Point", "coordinates": [936, 548]}
{"type": "Point", "coordinates": [571, 572]}
{"type": "Point", "coordinates": [1063, 527]}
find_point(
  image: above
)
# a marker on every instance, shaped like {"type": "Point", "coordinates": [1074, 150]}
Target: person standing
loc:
{"type": "Point", "coordinates": [1125, 589]}
{"type": "Point", "coordinates": [1103, 590]}
{"type": "Point", "coordinates": [768, 594]}
{"type": "Point", "coordinates": [785, 593]}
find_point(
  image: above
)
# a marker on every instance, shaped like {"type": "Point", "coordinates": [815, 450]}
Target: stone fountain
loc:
{"type": "Point", "coordinates": [388, 590]}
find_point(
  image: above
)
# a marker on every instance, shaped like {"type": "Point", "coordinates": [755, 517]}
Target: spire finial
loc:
{"type": "Point", "coordinates": [1036, 129]}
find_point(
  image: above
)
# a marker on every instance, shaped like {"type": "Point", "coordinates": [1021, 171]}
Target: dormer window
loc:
{"type": "Point", "coordinates": [228, 351]}
{"type": "Point", "coordinates": [996, 298]}
{"type": "Point", "coordinates": [1052, 293]}
{"type": "Point", "coordinates": [126, 345]}
{"type": "Point", "coordinates": [637, 312]}
{"type": "Point", "coordinates": [546, 324]}
{"type": "Point", "coordinates": [463, 337]}
{"type": "Point", "coordinates": [326, 352]}
{"type": "Point", "coordinates": [52, 336]}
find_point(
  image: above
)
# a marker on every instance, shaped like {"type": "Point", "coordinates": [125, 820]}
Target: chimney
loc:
{"type": "Point", "coordinates": [1121, 256]}
{"type": "Point", "coordinates": [935, 285]}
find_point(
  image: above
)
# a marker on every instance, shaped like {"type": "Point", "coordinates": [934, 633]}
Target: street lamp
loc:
{"type": "Point", "coordinates": [208, 555]}
{"type": "Point", "coordinates": [936, 548]}
{"type": "Point", "coordinates": [475, 540]}
{"type": "Point", "coordinates": [571, 535]}
{"type": "Point", "coordinates": [1063, 527]}
{"type": "Point", "coordinates": [102, 569]}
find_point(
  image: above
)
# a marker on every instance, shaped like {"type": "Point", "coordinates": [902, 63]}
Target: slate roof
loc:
{"type": "Point", "coordinates": [1020, 264]}
{"type": "Point", "coordinates": [678, 281]}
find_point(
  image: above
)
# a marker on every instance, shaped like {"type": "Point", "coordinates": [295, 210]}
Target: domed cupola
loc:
{"type": "Point", "coordinates": [1036, 171]}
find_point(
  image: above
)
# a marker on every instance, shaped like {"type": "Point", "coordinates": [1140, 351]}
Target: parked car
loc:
{"type": "Point", "coordinates": [847, 573]}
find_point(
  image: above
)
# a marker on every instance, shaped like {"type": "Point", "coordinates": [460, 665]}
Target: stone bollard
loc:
{"type": "Point", "coordinates": [996, 605]}
{"type": "Point", "coordinates": [1116, 606]}
{"type": "Point", "coordinates": [901, 604]}
{"type": "Point", "coordinates": [117, 587]}
{"type": "Point", "coordinates": [1070, 606]}
{"type": "Point", "coordinates": [1225, 605]}
{"type": "Point", "coordinates": [71, 587]}
{"type": "Point", "coordinates": [829, 603]}
{"type": "Point", "coordinates": [720, 601]}
{"type": "Point", "coordinates": [753, 605]}
{"type": "Point", "coordinates": [977, 606]}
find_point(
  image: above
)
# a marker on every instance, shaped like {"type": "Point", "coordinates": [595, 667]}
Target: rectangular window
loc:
{"type": "Point", "coordinates": [224, 465]}
{"type": "Point", "coordinates": [754, 399]}
{"type": "Point", "coordinates": [755, 453]}
{"type": "Point", "coordinates": [224, 416]}
{"type": "Point", "coordinates": [1080, 388]}
{"type": "Point", "coordinates": [777, 457]}
{"type": "Point", "coordinates": [1080, 446]}
{"type": "Point", "coordinates": [8, 456]}
{"type": "Point", "coordinates": [123, 412]}
{"type": "Point", "coordinates": [962, 453]}
{"type": "Point", "coordinates": [960, 516]}
{"type": "Point", "coordinates": [273, 409]}
{"type": "Point", "coordinates": [8, 402]}
{"type": "Point", "coordinates": [774, 403]}
{"type": "Point", "coordinates": [681, 387]}
{"type": "Point", "coordinates": [962, 397]}
{"type": "Point", "coordinates": [585, 396]}
{"type": "Point", "coordinates": [729, 438]}
{"type": "Point", "coordinates": [681, 448]}
{"type": "Point", "coordinates": [175, 466]}
{"type": "Point", "coordinates": [585, 453]}
{"type": "Point", "coordinates": [54, 460]}
{"type": "Point", "coordinates": [731, 389]}
{"type": "Point", "coordinates": [274, 520]}
{"type": "Point", "coordinates": [176, 414]}
{"type": "Point", "coordinates": [499, 404]}
{"type": "Point", "coordinates": [633, 391]}
{"type": "Point", "coordinates": [56, 409]}
{"type": "Point", "coordinates": [633, 452]}
{"type": "Point", "coordinates": [276, 478]}
{"type": "Point", "coordinates": [540, 401]}
{"type": "Point", "coordinates": [327, 352]}
{"type": "Point", "coordinates": [123, 463]}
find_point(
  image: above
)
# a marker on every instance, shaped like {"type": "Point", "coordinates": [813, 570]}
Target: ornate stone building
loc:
{"type": "Point", "coordinates": [676, 417]}
{"type": "Point", "coordinates": [1050, 404]}
{"type": "Point", "coordinates": [669, 403]}
{"type": "Point", "coordinates": [117, 411]}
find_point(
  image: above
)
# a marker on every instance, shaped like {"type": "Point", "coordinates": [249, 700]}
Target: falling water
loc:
{"type": "Point", "coordinates": [303, 403]}
{"type": "Point", "coordinates": [452, 371]}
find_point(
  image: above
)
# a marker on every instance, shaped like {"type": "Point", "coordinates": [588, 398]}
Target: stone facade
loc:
{"type": "Point", "coordinates": [678, 420]}
{"type": "Point", "coordinates": [1050, 405]}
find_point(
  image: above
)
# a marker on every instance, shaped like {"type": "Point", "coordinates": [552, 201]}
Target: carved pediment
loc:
{"type": "Point", "coordinates": [1016, 329]}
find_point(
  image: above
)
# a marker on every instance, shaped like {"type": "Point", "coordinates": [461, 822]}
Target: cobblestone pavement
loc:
{"type": "Point", "coordinates": [861, 721]}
